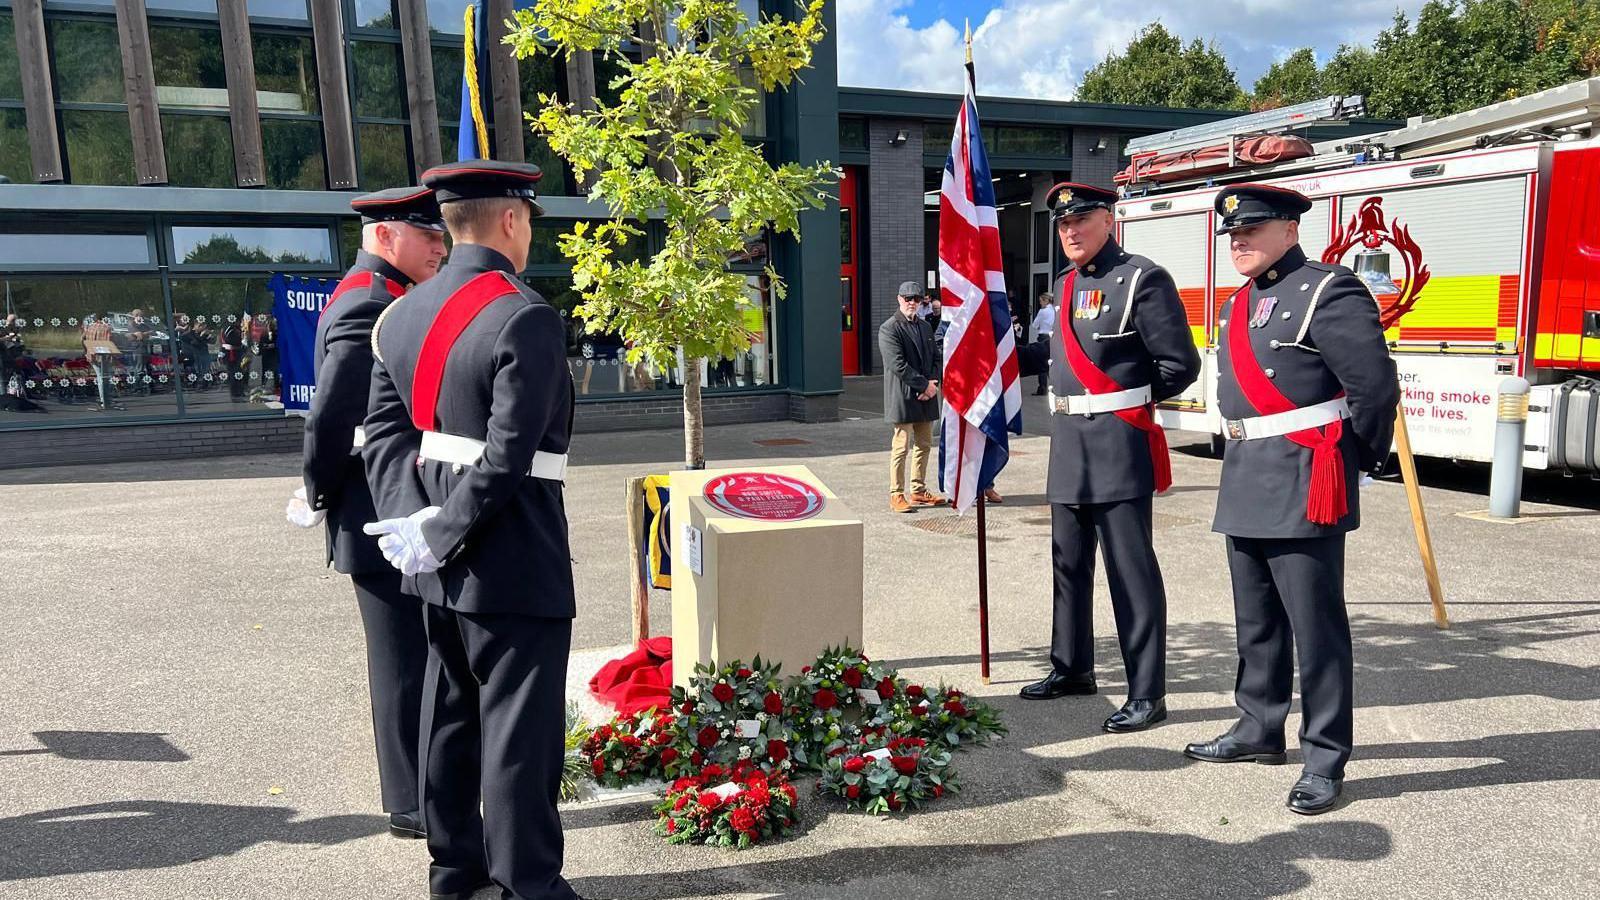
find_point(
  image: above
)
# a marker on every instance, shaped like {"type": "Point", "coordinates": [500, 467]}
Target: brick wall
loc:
{"type": "Point", "coordinates": [894, 213]}
{"type": "Point", "coordinates": [1091, 165]}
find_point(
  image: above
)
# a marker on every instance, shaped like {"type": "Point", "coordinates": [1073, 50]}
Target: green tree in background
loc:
{"type": "Point", "coordinates": [1456, 55]}
{"type": "Point", "coordinates": [1157, 69]}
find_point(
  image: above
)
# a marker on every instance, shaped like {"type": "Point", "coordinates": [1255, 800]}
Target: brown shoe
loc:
{"type": "Point", "coordinates": [992, 496]}
{"type": "Point", "coordinates": [927, 498]}
{"type": "Point", "coordinates": [897, 503]}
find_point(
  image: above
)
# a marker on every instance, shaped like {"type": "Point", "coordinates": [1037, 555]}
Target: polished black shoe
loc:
{"type": "Point", "coordinates": [1058, 685]}
{"type": "Point", "coordinates": [1314, 794]}
{"type": "Point", "coordinates": [407, 825]}
{"type": "Point", "coordinates": [1227, 749]}
{"type": "Point", "coordinates": [1137, 715]}
{"type": "Point", "coordinates": [461, 894]}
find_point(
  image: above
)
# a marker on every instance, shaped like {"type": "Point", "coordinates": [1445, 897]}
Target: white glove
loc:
{"type": "Point", "coordinates": [300, 513]}
{"type": "Point", "coordinates": [402, 542]}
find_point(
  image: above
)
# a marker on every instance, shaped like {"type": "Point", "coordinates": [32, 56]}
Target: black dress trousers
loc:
{"type": "Point", "coordinates": [1138, 597]}
{"type": "Point", "coordinates": [493, 723]}
{"type": "Point", "coordinates": [1288, 595]}
{"type": "Point", "coordinates": [396, 650]}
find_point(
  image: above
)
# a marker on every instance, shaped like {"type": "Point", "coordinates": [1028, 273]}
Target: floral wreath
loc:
{"type": "Point", "coordinates": [835, 698]}
{"type": "Point", "coordinates": [728, 808]}
{"type": "Point", "coordinates": [731, 715]}
{"type": "Point", "coordinates": [882, 777]}
{"type": "Point", "coordinates": [630, 748]}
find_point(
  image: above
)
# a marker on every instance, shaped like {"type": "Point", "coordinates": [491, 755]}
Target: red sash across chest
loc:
{"type": "Point", "coordinates": [360, 281]}
{"type": "Point", "coordinates": [1326, 502]}
{"type": "Point", "coordinates": [1096, 381]}
{"type": "Point", "coordinates": [452, 319]}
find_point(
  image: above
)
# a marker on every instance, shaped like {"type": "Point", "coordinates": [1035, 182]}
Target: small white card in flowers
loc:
{"type": "Point", "coordinates": [869, 695]}
{"type": "Point", "coordinates": [643, 729]}
{"type": "Point", "coordinates": [748, 728]}
{"type": "Point", "coordinates": [880, 753]}
{"type": "Point", "coordinates": [727, 791]}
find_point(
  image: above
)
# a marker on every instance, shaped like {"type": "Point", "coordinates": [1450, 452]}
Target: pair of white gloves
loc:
{"type": "Point", "coordinates": [400, 540]}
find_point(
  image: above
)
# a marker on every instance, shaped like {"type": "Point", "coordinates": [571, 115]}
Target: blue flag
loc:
{"type": "Point", "coordinates": [473, 65]}
{"type": "Point", "coordinates": [297, 303]}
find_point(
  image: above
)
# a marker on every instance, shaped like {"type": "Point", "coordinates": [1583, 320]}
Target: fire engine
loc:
{"type": "Point", "coordinates": [1478, 233]}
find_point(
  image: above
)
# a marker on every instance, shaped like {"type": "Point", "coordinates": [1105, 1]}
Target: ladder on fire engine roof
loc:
{"type": "Point", "coordinates": [1547, 115]}
{"type": "Point", "coordinates": [1271, 121]}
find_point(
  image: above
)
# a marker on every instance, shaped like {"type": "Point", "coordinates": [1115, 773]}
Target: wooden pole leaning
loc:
{"type": "Point", "coordinates": [638, 578]}
{"type": "Point", "coordinates": [1419, 519]}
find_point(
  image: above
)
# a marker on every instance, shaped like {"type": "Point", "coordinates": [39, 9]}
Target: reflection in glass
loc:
{"type": "Point", "coordinates": [88, 61]}
{"type": "Point", "coordinates": [10, 73]}
{"type": "Point", "coordinates": [199, 150]}
{"type": "Point", "coordinates": [293, 151]}
{"type": "Point", "coordinates": [84, 348]}
{"type": "Point", "coordinates": [349, 241]}
{"type": "Point", "coordinates": [447, 63]}
{"type": "Point", "coordinates": [191, 6]}
{"type": "Point", "coordinates": [540, 75]}
{"type": "Point", "coordinates": [286, 73]}
{"type": "Point", "coordinates": [447, 16]}
{"type": "Point", "coordinates": [227, 343]}
{"type": "Point", "coordinates": [43, 249]}
{"type": "Point", "coordinates": [188, 68]}
{"type": "Point", "coordinates": [99, 146]}
{"type": "Point", "coordinates": [852, 134]}
{"type": "Point", "coordinates": [377, 70]}
{"type": "Point", "coordinates": [15, 161]}
{"type": "Point", "coordinates": [383, 161]}
{"type": "Point", "coordinates": [278, 9]}
{"type": "Point", "coordinates": [375, 14]}
{"type": "Point", "coordinates": [194, 245]}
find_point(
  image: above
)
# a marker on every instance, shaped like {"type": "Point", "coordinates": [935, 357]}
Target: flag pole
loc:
{"type": "Point", "coordinates": [983, 531]}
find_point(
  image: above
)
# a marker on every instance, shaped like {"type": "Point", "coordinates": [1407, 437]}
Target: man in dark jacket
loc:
{"type": "Point", "coordinates": [1125, 347]}
{"type": "Point", "coordinates": [1307, 392]}
{"type": "Point", "coordinates": [911, 372]}
{"type": "Point", "coordinates": [487, 436]}
{"type": "Point", "coordinates": [402, 244]}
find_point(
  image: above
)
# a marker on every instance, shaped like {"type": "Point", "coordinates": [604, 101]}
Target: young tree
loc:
{"type": "Point", "coordinates": [1158, 70]}
{"type": "Point", "coordinates": [668, 143]}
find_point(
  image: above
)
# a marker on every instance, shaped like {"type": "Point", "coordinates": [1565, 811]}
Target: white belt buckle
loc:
{"type": "Point", "coordinates": [359, 438]}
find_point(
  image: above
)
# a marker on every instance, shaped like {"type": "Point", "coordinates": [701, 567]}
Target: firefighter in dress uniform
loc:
{"type": "Point", "coordinates": [1308, 392]}
{"type": "Point", "coordinates": [402, 240]}
{"type": "Point", "coordinates": [1121, 345]}
{"type": "Point", "coordinates": [473, 394]}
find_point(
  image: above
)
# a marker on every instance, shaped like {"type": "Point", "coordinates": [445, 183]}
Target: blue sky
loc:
{"type": "Point", "coordinates": [1040, 48]}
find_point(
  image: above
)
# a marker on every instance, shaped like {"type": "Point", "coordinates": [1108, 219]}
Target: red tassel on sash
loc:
{"type": "Point", "coordinates": [1096, 381]}
{"type": "Point", "coordinates": [1326, 501]}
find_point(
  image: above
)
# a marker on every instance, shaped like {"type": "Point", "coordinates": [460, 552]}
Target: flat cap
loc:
{"type": "Point", "coordinates": [1243, 205]}
{"type": "Point", "coordinates": [909, 289]}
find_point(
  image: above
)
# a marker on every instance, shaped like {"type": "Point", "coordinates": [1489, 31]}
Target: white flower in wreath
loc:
{"type": "Point", "coordinates": [744, 752]}
{"type": "Point", "coordinates": [816, 720]}
{"type": "Point", "coordinates": [761, 717]}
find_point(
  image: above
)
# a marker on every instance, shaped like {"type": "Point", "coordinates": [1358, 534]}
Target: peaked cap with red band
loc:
{"type": "Point", "coordinates": [412, 205]}
{"type": "Point", "coordinates": [1069, 198]}
{"type": "Point", "coordinates": [473, 179]}
{"type": "Point", "coordinates": [1243, 205]}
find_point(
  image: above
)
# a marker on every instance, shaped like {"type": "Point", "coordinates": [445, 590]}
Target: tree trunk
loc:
{"type": "Point", "coordinates": [694, 430]}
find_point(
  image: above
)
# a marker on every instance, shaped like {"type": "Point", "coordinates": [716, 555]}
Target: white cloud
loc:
{"type": "Point", "coordinates": [1041, 48]}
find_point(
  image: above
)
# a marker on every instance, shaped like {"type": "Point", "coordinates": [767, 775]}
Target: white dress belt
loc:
{"type": "Point", "coordinates": [1089, 404]}
{"type": "Point", "coordinates": [464, 451]}
{"type": "Point", "coordinates": [1279, 424]}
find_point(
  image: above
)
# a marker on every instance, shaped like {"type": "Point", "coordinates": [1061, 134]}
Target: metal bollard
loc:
{"type": "Point", "coordinates": [1505, 474]}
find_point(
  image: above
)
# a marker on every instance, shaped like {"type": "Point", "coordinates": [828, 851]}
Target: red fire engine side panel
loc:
{"type": "Point", "coordinates": [1569, 284]}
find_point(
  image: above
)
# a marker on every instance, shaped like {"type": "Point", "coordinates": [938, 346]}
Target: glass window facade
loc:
{"type": "Point", "coordinates": [447, 16]}
{"type": "Point", "coordinates": [278, 9]}
{"type": "Point", "coordinates": [88, 61]}
{"type": "Point", "coordinates": [291, 127]}
{"type": "Point", "coordinates": [98, 146]}
{"type": "Point", "coordinates": [378, 14]}
{"type": "Point", "coordinates": [69, 249]}
{"type": "Point", "coordinates": [10, 73]}
{"type": "Point", "coordinates": [222, 245]}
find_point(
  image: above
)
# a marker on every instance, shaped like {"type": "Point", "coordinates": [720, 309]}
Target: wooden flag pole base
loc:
{"type": "Point", "coordinates": [1419, 520]}
{"type": "Point", "coordinates": [638, 581]}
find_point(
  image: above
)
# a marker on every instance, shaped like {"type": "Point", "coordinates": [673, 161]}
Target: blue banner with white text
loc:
{"type": "Point", "coordinates": [297, 303]}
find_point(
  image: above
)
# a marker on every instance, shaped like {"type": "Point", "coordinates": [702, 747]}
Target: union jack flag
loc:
{"type": "Point", "coordinates": [982, 396]}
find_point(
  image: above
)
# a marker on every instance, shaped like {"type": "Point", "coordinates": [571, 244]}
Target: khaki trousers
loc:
{"type": "Point", "coordinates": [917, 438]}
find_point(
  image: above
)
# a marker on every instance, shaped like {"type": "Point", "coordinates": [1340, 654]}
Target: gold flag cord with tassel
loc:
{"type": "Point", "coordinates": [470, 66]}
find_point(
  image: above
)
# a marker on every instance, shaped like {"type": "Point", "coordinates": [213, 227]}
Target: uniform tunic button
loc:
{"type": "Point", "coordinates": [1271, 374]}
{"type": "Point", "coordinates": [1119, 279]}
{"type": "Point", "coordinates": [1286, 314]}
{"type": "Point", "coordinates": [1272, 275]}
{"type": "Point", "coordinates": [455, 468]}
{"type": "Point", "coordinates": [1305, 287]}
{"type": "Point", "coordinates": [1274, 343]}
{"type": "Point", "coordinates": [1091, 267]}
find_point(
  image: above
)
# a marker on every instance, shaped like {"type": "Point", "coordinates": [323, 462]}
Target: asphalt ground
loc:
{"type": "Point", "coordinates": [183, 707]}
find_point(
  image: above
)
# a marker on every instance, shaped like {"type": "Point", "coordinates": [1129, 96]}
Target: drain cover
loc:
{"type": "Point", "coordinates": [957, 526]}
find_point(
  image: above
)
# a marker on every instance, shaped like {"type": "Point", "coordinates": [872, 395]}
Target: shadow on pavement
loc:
{"type": "Point", "coordinates": [1147, 865]}
{"type": "Point", "coordinates": [106, 746]}
{"type": "Point", "coordinates": [152, 834]}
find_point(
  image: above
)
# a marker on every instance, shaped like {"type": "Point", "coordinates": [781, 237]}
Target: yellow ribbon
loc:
{"type": "Point", "coordinates": [471, 74]}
